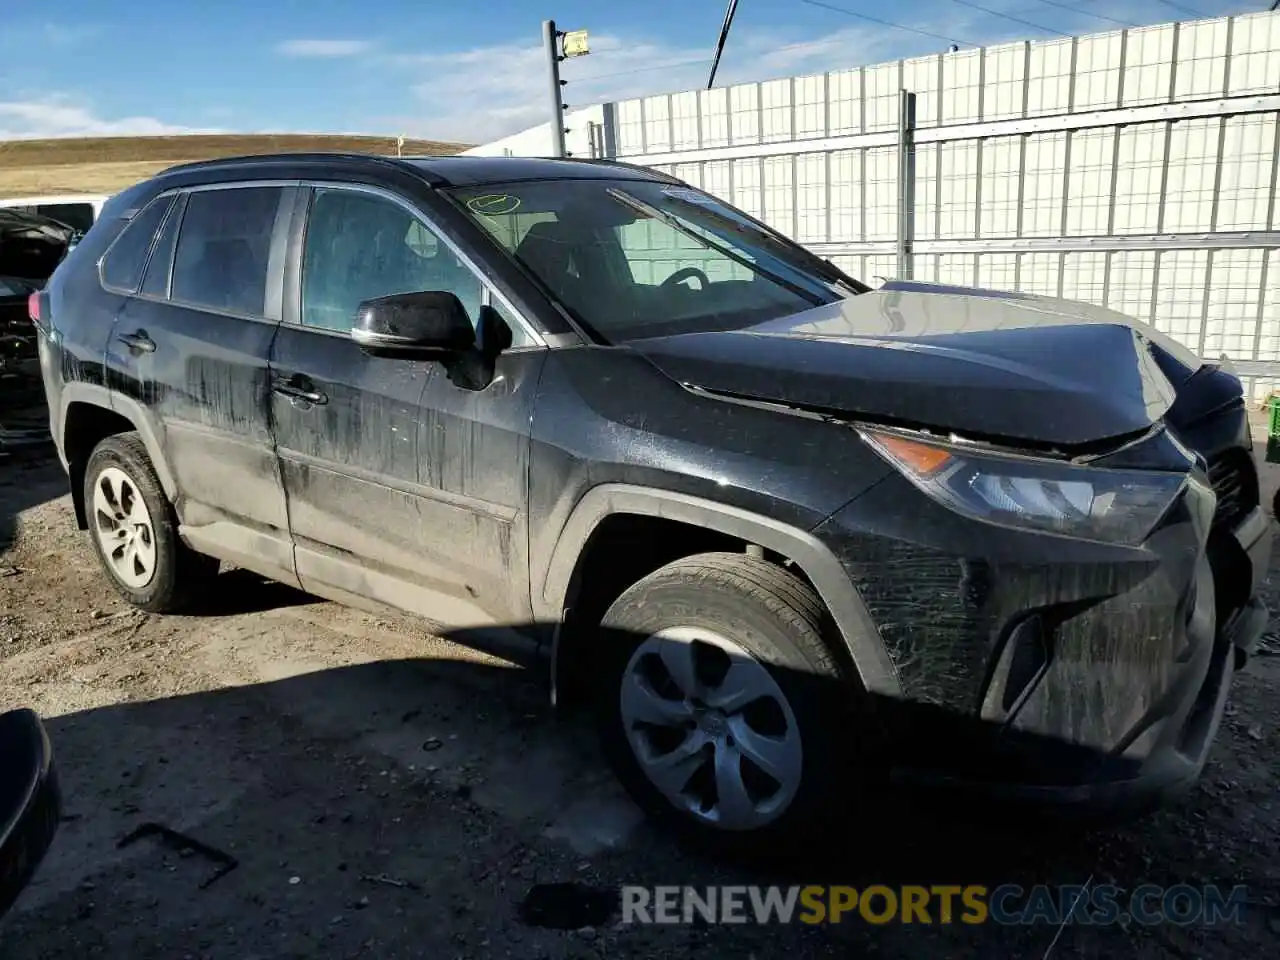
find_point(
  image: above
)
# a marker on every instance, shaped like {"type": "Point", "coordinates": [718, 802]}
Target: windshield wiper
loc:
{"type": "Point", "coordinates": [786, 251]}
{"type": "Point", "coordinates": [657, 213]}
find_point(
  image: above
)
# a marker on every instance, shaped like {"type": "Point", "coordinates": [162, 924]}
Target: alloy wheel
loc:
{"type": "Point", "coordinates": [122, 523]}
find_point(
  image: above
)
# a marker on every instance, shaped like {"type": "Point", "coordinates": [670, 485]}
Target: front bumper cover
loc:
{"type": "Point", "coordinates": [1046, 669]}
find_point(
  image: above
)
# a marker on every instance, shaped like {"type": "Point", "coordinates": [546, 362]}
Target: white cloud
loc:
{"type": "Point", "coordinates": [324, 48]}
{"type": "Point", "coordinates": [69, 35]}
{"type": "Point", "coordinates": [59, 116]}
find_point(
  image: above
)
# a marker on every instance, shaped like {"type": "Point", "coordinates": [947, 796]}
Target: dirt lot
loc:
{"type": "Point", "coordinates": [389, 794]}
{"type": "Point", "coordinates": [108, 164]}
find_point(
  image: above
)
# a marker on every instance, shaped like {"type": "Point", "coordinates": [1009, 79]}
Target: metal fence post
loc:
{"type": "Point", "coordinates": [550, 41]}
{"type": "Point", "coordinates": [609, 130]}
{"type": "Point", "coordinates": [906, 183]}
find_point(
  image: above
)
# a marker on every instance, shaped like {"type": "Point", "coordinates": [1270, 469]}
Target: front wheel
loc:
{"type": "Point", "coordinates": [720, 704]}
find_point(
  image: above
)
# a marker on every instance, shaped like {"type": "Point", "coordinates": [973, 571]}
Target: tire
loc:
{"type": "Point", "coordinates": [165, 573]}
{"type": "Point", "coordinates": [774, 625]}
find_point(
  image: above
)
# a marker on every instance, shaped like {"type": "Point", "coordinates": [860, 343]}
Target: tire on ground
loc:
{"type": "Point", "coordinates": [777, 619]}
{"type": "Point", "coordinates": [179, 570]}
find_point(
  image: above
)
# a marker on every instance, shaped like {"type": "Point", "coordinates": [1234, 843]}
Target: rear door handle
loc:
{"type": "Point", "coordinates": [138, 341]}
{"type": "Point", "coordinates": [299, 390]}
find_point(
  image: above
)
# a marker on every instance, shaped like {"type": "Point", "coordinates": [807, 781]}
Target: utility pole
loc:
{"type": "Point", "coordinates": [560, 45]}
{"type": "Point", "coordinates": [551, 42]}
{"type": "Point", "coordinates": [724, 36]}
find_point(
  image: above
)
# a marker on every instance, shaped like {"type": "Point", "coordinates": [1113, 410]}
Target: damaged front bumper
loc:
{"type": "Point", "coordinates": [1047, 669]}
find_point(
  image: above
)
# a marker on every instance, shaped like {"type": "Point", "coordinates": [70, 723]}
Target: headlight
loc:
{"type": "Point", "coordinates": [1093, 503]}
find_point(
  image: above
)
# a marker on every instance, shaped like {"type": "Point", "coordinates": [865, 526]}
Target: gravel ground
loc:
{"type": "Point", "coordinates": [386, 793]}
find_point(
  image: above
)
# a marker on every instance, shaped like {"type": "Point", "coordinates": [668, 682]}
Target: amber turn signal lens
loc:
{"type": "Point", "coordinates": [921, 458]}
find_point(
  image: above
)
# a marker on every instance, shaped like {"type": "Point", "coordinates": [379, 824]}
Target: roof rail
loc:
{"type": "Point", "coordinates": [274, 159]}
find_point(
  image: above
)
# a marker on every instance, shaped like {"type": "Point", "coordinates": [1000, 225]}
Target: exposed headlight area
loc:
{"type": "Point", "coordinates": [1073, 500]}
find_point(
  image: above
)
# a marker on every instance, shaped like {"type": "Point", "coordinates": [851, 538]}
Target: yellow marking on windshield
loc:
{"type": "Point", "coordinates": [494, 204]}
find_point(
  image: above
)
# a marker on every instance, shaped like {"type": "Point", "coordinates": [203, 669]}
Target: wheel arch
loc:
{"type": "Point", "coordinates": [91, 413]}
{"type": "Point", "coordinates": [813, 559]}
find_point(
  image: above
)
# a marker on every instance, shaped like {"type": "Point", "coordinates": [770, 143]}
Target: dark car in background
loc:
{"type": "Point", "coordinates": [32, 245]}
{"type": "Point", "coordinates": [790, 537]}
{"type": "Point", "coordinates": [17, 335]}
{"type": "Point", "coordinates": [30, 801]}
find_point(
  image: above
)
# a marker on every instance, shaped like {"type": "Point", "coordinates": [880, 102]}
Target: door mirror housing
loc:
{"type": "Point", "coordinates": [431, 324]}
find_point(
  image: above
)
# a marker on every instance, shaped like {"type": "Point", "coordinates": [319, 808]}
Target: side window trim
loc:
{"type": "Point", "coordinates": [167, 197]}
{"type": "Point", "coordinates": [295, 239]}
{"type": "Point", "coordinates": [488, 292]}
{"type": "Point", "coordinates": [175, 212]}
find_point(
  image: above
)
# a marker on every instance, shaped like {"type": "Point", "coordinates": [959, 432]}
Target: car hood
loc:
{"type": "Point", "coordinates": [989, 363]}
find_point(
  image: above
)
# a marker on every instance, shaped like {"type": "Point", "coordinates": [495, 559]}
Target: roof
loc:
{"type": "Point", "coordinates": [452, 171]}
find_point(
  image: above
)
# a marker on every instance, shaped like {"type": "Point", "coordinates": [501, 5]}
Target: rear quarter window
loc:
{"type": "Point", "coordinates": [126, 258]}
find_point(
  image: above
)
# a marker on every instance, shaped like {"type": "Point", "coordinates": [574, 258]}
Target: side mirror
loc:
{"type": "Point", "coordinates": [426, 325]}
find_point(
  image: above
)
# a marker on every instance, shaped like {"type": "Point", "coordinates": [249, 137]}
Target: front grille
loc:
{"type": "Point", "coordinates": [1235, 481]}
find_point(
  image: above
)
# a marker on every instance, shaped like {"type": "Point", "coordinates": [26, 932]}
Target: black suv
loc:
{"type": "Point", "coordinates": [785, 532]}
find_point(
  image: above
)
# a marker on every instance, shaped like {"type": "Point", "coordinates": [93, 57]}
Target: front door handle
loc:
{"type": "Point", "coordinates": [138, 341]}
{"type": "Point", "coordinates": [299, 392]}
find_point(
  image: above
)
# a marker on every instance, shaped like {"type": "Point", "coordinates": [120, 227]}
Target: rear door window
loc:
{"type": "Point", "coordinates": [224, 246]}
{"type": "Point", "coordinates": [127, 257]}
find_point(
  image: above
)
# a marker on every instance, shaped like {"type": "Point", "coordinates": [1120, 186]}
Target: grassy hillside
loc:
{"type": "Point", "coordinates": [108, 164]}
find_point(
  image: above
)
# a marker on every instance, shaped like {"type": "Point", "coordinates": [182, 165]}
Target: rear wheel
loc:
{"type": "Point", "coordinates": [720, 704]}
{"type": "Point", "coordinates": [135, 531]}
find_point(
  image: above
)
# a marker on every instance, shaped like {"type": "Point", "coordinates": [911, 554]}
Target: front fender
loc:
{"type": "Point", "coordinates": [819, 564]}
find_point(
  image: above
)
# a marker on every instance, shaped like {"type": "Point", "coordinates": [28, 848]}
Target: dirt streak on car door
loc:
{"type": "Point", "coordinates": [350, 464]}
{"type": "Point", "coordinates": [475, 451]}
{"type": "Point", "coordinates": [368, 520]}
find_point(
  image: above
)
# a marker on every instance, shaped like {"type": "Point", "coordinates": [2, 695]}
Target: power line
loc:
{"type": "Point", "coordinates": [669, 65]}
{"type": "Point", "coordinates": [1185, 9]}
{"type": "Point", "coordinates": [672, 64]}
{"type": "Point", "coordinates": [1006, 16]}
{"type": "Point", "coordinates": [1087, 13]}
{"type": "Point", "coordinates": [886, 23]}
{"type": "Point", "coordinates": [700, 61]}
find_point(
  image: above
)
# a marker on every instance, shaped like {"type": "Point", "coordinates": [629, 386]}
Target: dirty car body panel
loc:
{"type": "Point", "coordinates": [402, 487]}
{"type": "Point", "coordinates": [758, 396]}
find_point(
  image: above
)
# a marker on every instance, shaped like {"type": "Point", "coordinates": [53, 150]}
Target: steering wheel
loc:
{"type": "Point", "coordinates": [683, 274]}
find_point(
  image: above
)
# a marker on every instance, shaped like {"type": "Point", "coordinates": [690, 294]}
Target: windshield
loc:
{"type": "Point", "coordinates": [638, 258]}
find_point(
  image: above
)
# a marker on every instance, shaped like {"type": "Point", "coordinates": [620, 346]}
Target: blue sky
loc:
{"type": "Point", "coordinates": [465, 71]}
